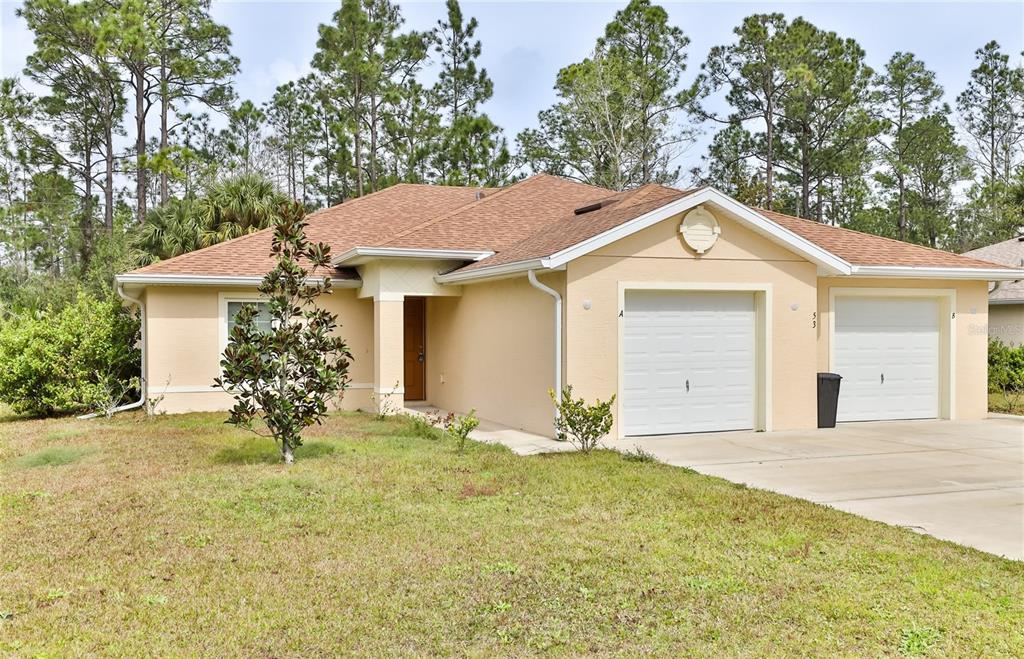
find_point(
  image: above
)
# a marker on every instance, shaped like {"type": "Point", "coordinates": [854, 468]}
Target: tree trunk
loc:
{"type": "Point", "coordinates": [373, 143]}
{"type": "Point", "coordinates": [901, 219]}
{"type": "Point", "coordinates": [769, 164]}
{"type": "Point", "coordinates": [287, 453]}
{"type": "Point", "coordinates": [140, 147]}
{"type": "Point", "coordinates": [357, 142]}
{"type": "Point", "coordinates": [108, 178]}
{"type": "Point", "coordinates": [165, 107]}
{"type": "Point", "coordinates": [805, 181]}
{"type": "Point", "coordinates": [85, 249]}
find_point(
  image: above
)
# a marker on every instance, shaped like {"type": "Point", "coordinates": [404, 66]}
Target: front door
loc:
{"type": "Point", "coordinates": [415, 353]}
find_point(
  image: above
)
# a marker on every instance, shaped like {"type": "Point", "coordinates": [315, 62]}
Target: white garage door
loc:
{"type": "Point", "coordinates": [887, 350]}
{"type": "Point", "coordinates": [689, 362]}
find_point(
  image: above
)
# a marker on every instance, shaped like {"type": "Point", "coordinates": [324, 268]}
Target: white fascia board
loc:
{"type": "Point", "coordinates": [827, 262]}
{"type": "Point", "coordinates": [754, 220]}
{"type": "Point", "coordinates": [930, 272]}
{"type": "Point", "coordinates": [361, 254]}
{"type": "Point", "coordinates": [493, 272]}
{"type": "Point", "coordinates": [1002, 301]}
{"type": "Point", "coordinates": [216, 280]}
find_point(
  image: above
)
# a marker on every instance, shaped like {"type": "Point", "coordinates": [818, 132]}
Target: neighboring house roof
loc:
{"type": "Point", "coordinates": [534, 219]}
{"type": "Point", "coordinates": [1009, 253]}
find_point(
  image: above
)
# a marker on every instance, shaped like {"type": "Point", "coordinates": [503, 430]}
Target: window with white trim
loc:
{"type": "Point", "coordinates": [263, 320]}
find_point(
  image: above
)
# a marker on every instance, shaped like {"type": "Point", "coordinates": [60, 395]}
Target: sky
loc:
{"type": "Point", "coordinates": [526, 43]}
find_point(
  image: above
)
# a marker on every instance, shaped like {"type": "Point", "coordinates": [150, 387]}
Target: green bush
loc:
{"type": "Point", "coordinates": [1005, 367]}
{"type": "Point", "coordinates": [459, 427]}
{"type": "Point", "coordinates": [71, 359]}
{"type": "Point", "coordinates": [1006, 376]}
{"type": "Point", "coordinates": [580, 424]}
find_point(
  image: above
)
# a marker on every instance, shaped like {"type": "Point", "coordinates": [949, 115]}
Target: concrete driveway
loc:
{"type": "Point", "coordinates": [957, 480]}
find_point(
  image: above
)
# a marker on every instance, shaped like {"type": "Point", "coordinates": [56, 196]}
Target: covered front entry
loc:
{"type": "Point", "coordinates": [689, 361]}
{"type": "Point", "coordinates": [887, 349]}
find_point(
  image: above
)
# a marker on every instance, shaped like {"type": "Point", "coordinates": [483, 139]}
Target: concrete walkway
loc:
{"type": "Point", "coordinates": [957, 480]}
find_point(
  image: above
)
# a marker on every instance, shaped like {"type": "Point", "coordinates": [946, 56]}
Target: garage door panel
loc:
{"type": "Point", "coordinates": [887, 350]}
{"type": "Point", "coordinates": [674, 338]}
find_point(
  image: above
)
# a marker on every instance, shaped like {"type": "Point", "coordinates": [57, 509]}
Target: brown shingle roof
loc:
{"type": "Point", "coordinates": [572, 229]}
{"type": "Point", "coordinates": [531, 219]}
{"type": "Point", "coordinates": [366, 221]}
{"type": "Point", "coordinates": [866, 249]}
{"type": "Point", "coordinates": [502, 219]}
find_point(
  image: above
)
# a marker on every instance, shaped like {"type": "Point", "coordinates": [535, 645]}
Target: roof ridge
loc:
{"type": "Point", "coordinates": [864, 233]}
{"type": "Point", "coordinates": [591, 215]}
{"type": "Point", "coordinates": [477, 202]}
{"type": "Point", "coordinates": [356, 200]}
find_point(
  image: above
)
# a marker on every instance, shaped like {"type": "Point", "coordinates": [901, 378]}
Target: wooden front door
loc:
{"type": "Point", "coordinates": [415, 354]}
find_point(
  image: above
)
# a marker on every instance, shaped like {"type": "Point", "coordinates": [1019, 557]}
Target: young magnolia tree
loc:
{"type": "Point", "coordinates": [285, 376]}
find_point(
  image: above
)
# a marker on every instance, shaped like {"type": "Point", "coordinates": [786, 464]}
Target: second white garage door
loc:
{"type": "Point", "coordinates": [887, 350]}
{"type": "Point", "coordinates": [689, 362]}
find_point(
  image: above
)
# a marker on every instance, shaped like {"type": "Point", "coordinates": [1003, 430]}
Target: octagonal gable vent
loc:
{"type": "Point", "coordinates": [700, 229]}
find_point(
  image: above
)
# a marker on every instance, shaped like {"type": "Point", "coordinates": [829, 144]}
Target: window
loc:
{"type": "Point", "coordinates": [262, 317]}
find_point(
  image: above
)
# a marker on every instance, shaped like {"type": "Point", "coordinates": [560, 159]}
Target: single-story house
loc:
{"type": "Point", "coordinates": [1005, 298]}
{"type": "Point", "coordinates": [697, 312]}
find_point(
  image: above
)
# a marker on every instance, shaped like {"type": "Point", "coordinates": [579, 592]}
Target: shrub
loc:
{"type": "Point", "coordinates": [580, 424]}
{"type": "Point", "coordinates": [1005, 367]}
{"type": "Point", "coordinates": [458, 427]}
{"type": "Point", "coordinates": [68, 360]}
{"type": "Point", "coordinates": [1006, 372]}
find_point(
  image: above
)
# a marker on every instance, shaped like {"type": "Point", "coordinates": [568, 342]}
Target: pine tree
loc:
{"type": "Point", "coordinates": [472, 150]}
{"type": "Point", "coordinates": [935, 165]}
{"type": "Point", "coordinates": [243, 141]}
{"type": "Point", "coordinates": [991, 112]}
{"type": "Point", "coordinates": [617, 120]}
{"type": "Point", "coordinates": [85, 102]}
{"type": "Point", "coordinates": [753, 70]}
{"type": "Point", "coordinates": [823, 125]}
{"type": "Point", "coordinates": [196, 66]}
{"type": "Point", "coordinates": [905, 93]}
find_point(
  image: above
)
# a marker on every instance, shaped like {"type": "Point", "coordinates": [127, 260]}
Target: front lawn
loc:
{"type": "Point", "coordinates": [1012, 404]}
{"type": "Point", "coordinates": [183, 536]}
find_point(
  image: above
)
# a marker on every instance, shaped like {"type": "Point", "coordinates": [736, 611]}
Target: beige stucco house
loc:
{"type": "Point", "coordinates": [697, 312]}
{"type": "Point", "coordinates": [1005, 298]}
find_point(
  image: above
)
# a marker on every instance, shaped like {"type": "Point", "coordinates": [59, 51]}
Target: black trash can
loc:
{"type": "Point", "coordinates": [828, 399]}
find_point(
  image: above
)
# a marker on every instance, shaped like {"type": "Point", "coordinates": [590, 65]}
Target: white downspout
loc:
{"type": "Point", "coordinates": [142, 344]}
{"type": "Point", "coordinates": [558, 330]}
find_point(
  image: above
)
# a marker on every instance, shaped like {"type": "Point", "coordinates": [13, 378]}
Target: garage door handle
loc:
{"type": "Point", "coordinates": [687, 386]}
{"type": "Point", "coordinates": [883, 378]}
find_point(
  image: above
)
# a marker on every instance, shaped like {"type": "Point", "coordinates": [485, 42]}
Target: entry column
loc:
{"type": "Point", "coordinates": [388, 345]}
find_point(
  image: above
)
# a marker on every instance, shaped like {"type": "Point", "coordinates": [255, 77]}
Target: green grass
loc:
{"type": "Point", "coordinates": [183, 536]}
{"type": "Point", "coordinates": [56, 456]}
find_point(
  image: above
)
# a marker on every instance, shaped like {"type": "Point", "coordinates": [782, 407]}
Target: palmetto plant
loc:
{"type": "Point", "coordinates": [236, 206]}
{"type": "Point", "coordinates": [170, 230]}
{"type": "Point", "coordinates": [231, 207]}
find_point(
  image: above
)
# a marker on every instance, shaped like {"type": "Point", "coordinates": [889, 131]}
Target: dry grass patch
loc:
{"type": "Point", "coordinates": [1012, 404]}
{"type": "Point", "coordinates": [182, 536]}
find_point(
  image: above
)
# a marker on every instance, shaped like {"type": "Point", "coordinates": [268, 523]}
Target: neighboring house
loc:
{"type": "Point", "coordinates": [697, 312]}
{"type": "Point", "coordinates": [1005, 298]}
